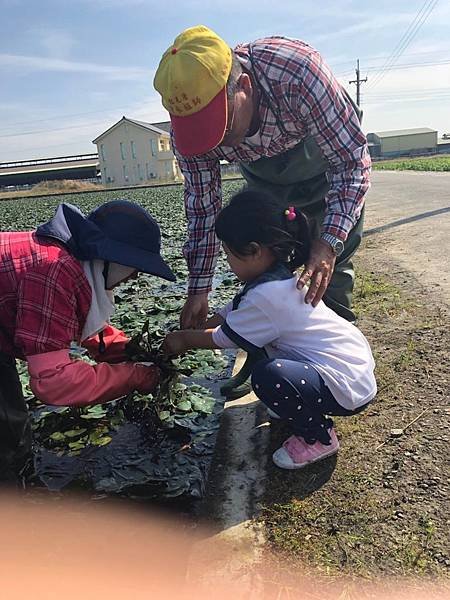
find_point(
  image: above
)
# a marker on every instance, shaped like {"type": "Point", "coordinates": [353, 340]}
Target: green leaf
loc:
{"type": "Point", "coordinates": [95, 412]}
{"type": "Point", "coordinates": [78, 445]}
{"type": "Point", "coordinates": [58, 436]}
{"type": "Point", "coordinates": [202, 404]}
{"type": "Point", "coordinates": [184, 405]}
{"type": "Point", "coordinates": [103, 441]}
{"type": "Point", "coordinates": [74, 432]}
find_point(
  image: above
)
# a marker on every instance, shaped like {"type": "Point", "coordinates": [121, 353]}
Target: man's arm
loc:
{"type": "Point", "coordinates": [203, 200]}
{"type": "Point", "coordinates": [335, 127]}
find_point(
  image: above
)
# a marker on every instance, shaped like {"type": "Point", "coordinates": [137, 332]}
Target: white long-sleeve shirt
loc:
{"type": "Point", "coordinates": [274, 316]}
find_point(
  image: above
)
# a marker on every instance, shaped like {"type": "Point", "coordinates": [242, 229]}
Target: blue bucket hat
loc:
{"type": "Point", "coordinates": [118, 231]}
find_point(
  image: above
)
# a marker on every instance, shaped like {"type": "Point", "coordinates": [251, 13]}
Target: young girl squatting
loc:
{"type": "Point", "coordinates": [313, 363]}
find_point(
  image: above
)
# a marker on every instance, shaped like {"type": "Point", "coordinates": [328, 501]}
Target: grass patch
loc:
{"type": "Point", "coordinates": [432, 163]}
{"type": "Point", "coordinates": [374, 293]}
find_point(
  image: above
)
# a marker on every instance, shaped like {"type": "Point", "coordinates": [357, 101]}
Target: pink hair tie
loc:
{"type": "Point", "coordinates": [290, 213]}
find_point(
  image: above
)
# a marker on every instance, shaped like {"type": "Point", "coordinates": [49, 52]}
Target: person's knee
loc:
{"type": "Point", "coordinates": [260, 372]}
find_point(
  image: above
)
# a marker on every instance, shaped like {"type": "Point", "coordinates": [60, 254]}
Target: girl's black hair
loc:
{"type": "Point", "coordinates": [256, 216]}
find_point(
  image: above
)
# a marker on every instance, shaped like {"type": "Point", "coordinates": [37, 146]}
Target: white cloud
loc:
{"type": "Point", "coordinates": [371, 24]}
{"type": "Point", "coordinates": [28, 64]}
{"type": "Point", "coordinates": [57, 43]}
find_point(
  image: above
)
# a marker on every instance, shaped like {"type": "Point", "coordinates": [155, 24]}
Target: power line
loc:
{"type": "Point", "coordinates": [400, 67]}
{"type": "Point", "coordinates": [10, 135]}
{"type": "Point", "coordinates": [54, 117]}
{"type": "Point", "coordinates": [409, 92]}
{"type": "Point", "coordinates": [406, 39]}
{"type": "Point", "coordinates": [413, 65]}
{"type": "Point", "coordinates": [105, 110]}
{"type": "Point", "coordinates": [425, 94]}
{"type": "Point", "coordinates": [380, 56]}
{"type": "Point", "coordinates": [68, 127]}
{"type": "Point", "coordinates": [385, 101]}
{"type": "Point", "coordinates": [62, 145]}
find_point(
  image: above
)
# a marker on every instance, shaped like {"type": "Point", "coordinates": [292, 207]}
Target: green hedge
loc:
{"type": "Point", "coordinates": [435, 163]}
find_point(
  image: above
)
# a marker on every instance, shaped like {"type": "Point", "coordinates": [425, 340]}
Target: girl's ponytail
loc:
{"type": "Point", "coordinates": [297, 225]}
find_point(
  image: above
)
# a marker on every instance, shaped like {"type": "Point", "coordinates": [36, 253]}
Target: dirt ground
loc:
{"type": "Point", "coordinates": [381, 508]}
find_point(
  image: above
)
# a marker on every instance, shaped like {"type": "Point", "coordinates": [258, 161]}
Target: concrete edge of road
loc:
{"type": "Point", "coordinates": [236, 485]}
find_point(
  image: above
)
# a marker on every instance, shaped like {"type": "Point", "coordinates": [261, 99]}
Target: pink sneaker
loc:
{"type": "Point", "coordinates": [295, 453]}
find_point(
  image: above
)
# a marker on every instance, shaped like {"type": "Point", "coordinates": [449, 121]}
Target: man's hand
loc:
{"type": "Point", "coordinates": [318, 271]}
{"type": "Point", "coordinates": [174, 343]}
{"type": "Point", "coordinates": [195, 311]}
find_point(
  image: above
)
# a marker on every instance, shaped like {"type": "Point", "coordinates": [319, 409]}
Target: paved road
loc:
{"type": "Point", "coordinates": [408, 213]}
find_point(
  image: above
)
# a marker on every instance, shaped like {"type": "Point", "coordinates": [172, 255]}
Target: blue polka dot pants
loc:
{"type": "Point", "coordinates": [296, 392]}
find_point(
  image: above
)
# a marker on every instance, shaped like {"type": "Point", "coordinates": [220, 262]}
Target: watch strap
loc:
{"type": "Point", "coordinates": [336, 243]}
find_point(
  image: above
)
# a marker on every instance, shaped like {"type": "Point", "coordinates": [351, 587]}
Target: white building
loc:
{"type": "Point", "coordinates": [136, 153]}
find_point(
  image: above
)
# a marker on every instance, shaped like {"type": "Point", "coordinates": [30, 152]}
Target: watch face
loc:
{"type": "Point", "coordinates": [339, 247]}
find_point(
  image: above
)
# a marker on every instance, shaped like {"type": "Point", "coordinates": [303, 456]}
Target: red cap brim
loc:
{"type": "Point", "coordinates": [204, 130]}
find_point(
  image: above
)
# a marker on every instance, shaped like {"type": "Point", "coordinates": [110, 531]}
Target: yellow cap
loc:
{"type": "Point", "coordinates": [193, 71]}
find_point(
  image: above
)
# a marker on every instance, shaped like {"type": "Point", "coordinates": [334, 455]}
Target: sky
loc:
{"type": "Point", "coordinates": [69, 69]}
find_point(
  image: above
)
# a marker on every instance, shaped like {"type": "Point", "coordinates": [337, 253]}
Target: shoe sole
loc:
{"type": "Point", "coordinates": [295, 466]}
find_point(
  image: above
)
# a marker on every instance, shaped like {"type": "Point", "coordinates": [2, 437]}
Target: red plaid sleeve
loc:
{"type": "Point", "coordinates": [334, 125]}
{"type": "Point", "coordinates": [53, 300]}
{"type": "Point", "coordinates": [202, 201]}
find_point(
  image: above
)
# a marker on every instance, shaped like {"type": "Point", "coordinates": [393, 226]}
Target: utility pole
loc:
{"type": "Point", "coordinates": [358, 82]}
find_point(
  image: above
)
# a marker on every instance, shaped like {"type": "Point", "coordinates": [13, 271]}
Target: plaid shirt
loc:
{"type": "Point", "coordinates": [44, 295]}
{"type": "Point", "coordinates": [300, 98]}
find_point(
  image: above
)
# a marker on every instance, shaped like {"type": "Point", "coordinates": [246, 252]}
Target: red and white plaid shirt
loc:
{"type": "Point", "coordinates": [300, 98]}
{"type": "Point", "coordinates": [44, 295]}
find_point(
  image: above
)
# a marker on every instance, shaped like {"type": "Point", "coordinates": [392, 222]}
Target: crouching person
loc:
{"type": "Point", "coordinates": [55, 288]}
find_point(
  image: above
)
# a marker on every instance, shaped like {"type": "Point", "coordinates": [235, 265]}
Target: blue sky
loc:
{"type": "Point", "coordinates": [71, 68]}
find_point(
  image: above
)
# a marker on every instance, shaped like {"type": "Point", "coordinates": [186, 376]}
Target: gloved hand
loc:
{"type": "Point", "coordinates": [146, 377]}
{"type": "Point", "coordinates": [108, 347]}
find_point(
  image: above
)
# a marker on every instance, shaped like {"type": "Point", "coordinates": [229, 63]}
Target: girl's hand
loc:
{"type": "Point", "coordinates": [174, 343]}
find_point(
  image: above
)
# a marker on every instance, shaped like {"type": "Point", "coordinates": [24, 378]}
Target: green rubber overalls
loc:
{"type": "Point", "coordinates": [298, 178]}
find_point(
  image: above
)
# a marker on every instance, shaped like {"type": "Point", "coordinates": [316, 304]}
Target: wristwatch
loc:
{"type": "Point", "coordinates": [336, 244]}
